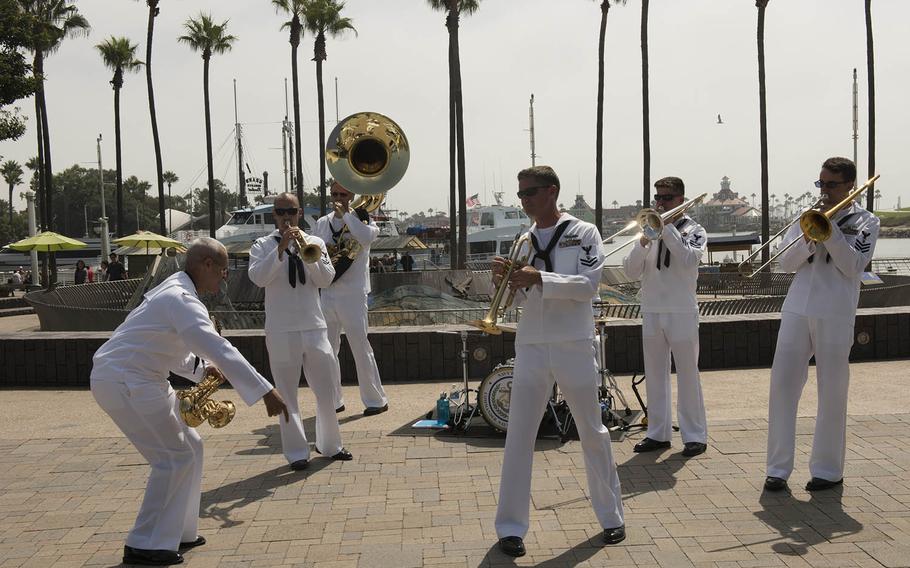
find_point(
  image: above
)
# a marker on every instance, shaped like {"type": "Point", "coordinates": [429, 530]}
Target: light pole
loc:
{"type": "Point", "coordinates": [105, 244]}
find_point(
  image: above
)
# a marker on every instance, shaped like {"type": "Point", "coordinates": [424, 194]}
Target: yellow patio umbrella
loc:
{"type": "Point", "coordinates": [150, 240]}
{"type": "Point", "coordinates": [47, 241]}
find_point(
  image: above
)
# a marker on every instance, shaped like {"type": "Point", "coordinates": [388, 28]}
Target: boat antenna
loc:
{"type": "Point", "coordinates": [241, 178]}
{"type": "Point", "coordinates": [531, 118]}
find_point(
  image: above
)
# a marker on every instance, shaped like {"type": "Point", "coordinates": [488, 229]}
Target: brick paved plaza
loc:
{"type": "Point", "coordinates": [70, 486]}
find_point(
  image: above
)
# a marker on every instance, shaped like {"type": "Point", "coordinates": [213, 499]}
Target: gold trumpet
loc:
{"type": "Point", "coordinates": [651, 223]}
{"type": "Point", "coordinates": [516, 259]}
{"type": "Point", "coordinates": [309, 252]}
{"type": "Point", "coordinates": [815, 224]}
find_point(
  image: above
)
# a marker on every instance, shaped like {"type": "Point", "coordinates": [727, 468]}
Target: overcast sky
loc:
{"type": "Point", "coordinates": [702, 63]}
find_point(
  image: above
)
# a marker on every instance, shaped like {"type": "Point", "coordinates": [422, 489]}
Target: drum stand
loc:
{"type": "Point", "coordinates": [608, 390]}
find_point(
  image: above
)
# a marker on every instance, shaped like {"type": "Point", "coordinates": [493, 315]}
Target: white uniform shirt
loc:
{"type": "Point", "coordinates": [357, 276]}
{"type": "Point", "coordinates": [289, 308]}
{"type": "Point", "coordinates": [560, 309]}
{"type": "Point", "coordinates": [671, 289]}
{"type": "Point", "coordinates": [830, 288]}
{"type": "Point", "coordinates": [157, 338]}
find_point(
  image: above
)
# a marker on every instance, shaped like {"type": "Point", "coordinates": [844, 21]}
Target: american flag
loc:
{"type": "Point", "coordinates": [472, 201]}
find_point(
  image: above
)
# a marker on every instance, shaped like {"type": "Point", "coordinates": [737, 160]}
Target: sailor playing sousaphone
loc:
{"type": "Point", "coordinates": [367, 153]}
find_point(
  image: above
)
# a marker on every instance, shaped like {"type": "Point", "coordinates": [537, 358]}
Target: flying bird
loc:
{"type": "Point", "coordinates": [719, 120]}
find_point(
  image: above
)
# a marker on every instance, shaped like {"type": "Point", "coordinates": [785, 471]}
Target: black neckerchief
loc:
{"type": "Point", "coordinates": [544, 255]}
{"type": "Point", "coordinates": [336, 234]}
{"type": "Point", "coordinates": [660, 248]}
{"type": "Point", "coordinates": [843, 221]}
{"type": "Point", "coordinates": [295, 267]}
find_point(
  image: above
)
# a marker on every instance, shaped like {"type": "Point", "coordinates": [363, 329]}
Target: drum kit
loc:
{"type": "Point", "coordinates": [492, 397]}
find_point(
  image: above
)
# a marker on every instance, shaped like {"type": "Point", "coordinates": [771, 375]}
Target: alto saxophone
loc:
{"type": "Point", "coordinates": [196, 405]}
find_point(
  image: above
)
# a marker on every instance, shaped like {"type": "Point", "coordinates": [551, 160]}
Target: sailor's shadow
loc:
{"type": "Point", "coordinates": [803, 524]}
{"type": "Point", "coordinates": [578, 554]}
{"type": "Point", "coordinates": [650, 471]}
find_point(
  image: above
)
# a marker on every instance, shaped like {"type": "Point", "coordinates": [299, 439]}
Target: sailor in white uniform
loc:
{"type": "Point", "coordinates": [668, 270]}
{"type": "Point", "coordinates": [295, 330]}
{"type": "Point", "coordinates": [129, 381]}
{"type": "Point", "coordinates": [817, 319]}
{"type": "Point", "coordinates": [344, 302]}
{"type": "Point", "coordinates": [555, 343]}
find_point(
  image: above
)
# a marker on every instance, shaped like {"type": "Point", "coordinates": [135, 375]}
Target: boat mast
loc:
{"type": "Point", "coordinates": [291, 127]}
{"type": "Point", "coordinates": [241, 179]}
{"type": "Point", "coordinates": [285, 136]}
{"type": "Point", "coordinates": [855, 119]}
{"type": "Point", "coordinates": [531, 117]}
{"type": "Point", "coordinates": [336, 101]}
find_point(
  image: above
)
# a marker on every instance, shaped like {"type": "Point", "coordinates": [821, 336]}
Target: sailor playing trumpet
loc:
{"type": "Point", "coordinates": [668, 270]}
{"type": "Point", "coordinates": [295, 329]}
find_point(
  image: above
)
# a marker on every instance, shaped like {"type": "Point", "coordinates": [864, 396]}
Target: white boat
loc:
{"type": "Point", "coordinates": [250, 223]}
{"type": "Point", "coordinates": [492, 229]}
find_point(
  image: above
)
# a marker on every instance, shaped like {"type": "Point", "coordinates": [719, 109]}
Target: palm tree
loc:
{"type": "Point", "coordinates": [786, 205]}
{"type": "Point", "coordinates": [763, 128]}
{"type": "Point", "coordinates": [153, 12]}
{"type": "Point", "coordinates": [119, 55]}
{"type": "Point", "coordinates": [209, 38]}
{"type": "Point", "coordinates": [453, 10]}
{"type": "Point", "coordinates": [598, 174]}
{"type": "Point", "coordinates": [12, 174]}
{"type": "Point", "coordinates": [753, 200]}
{"type": "Point", "coordinates": [645, 107]}
{"type": "Point", "coordinates": [870, 72]}
{"type": "Point", "coordinates": [295, 9]}
{"type": "Point", "coordinates": [323, 17]}
{"type": "Point", "coordinates": [170, 177]}
{"type": "Point", "coordinates": [615, 204]}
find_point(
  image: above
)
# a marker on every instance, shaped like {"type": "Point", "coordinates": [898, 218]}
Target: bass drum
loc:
{"type": "Point", "coordinates": [494, 396]}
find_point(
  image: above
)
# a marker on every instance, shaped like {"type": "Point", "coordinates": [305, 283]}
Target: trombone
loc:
{"type": "Point", "coordinates": [651, 223]}
{"type": "Point", "coordinates": [815, 225]}
{"type": "Point", "coordinates": [746, 264]}
{"type": "Point", "coordinates": [516, 259]}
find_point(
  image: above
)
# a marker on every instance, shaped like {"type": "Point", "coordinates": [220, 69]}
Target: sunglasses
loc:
{"type": "Point", "coordinates": [281, 211]}
{"type": "Point", "coordinates": [530, 191]}
{"type": "Point", "coordinates": [829, 184]}
{"type": "Point", "coordinates": [665, 196]}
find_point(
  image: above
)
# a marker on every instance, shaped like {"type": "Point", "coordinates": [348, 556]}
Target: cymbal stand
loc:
{"type": "Point", "coordinates": [464, 411]}
{"type": "Point", "coordinates": [608, 390]}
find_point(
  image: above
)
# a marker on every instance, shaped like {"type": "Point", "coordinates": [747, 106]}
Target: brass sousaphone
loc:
{"type": "Point", "coordinates": [367, 153]}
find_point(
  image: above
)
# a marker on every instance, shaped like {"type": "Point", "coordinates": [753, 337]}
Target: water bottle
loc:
{"type": "Point", "coordinates": [455, 395]}
{"type": "Point", "coordinates": [442, 409]}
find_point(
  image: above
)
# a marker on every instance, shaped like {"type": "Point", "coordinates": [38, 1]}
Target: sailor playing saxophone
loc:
{"type": "Point", "coordinates": [668, 270]}
{"type": "Point", "coordinates": [344, 302]}
{"type": "Point", "coordinates": [817, 319]}
{"type": "Point", "coordinates": [292, 267]}
{"type": "Point", "coordinates": [129, 381]}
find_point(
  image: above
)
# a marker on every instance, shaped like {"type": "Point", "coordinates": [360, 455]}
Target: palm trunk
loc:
{"type": "Point", "coordinates": [599, 145]}
{"type": "Point", "coordinates": [870, 72]}
{"type": "Point", "coordinates": [459, 140]}
{"type": "Point", "coordinates": [208, 146]}
{"type": "Point", "coordinates": [645, 109]}
{"type": "Point", "coordinates": [320, 43]}
{"type": "Point", "coordinates": [119, 228]}
{"type": "Point", "coordinates": [48, 171]}
{"type": "Point", "coordinates": [298, 159]}
{"type": "Point", "coordinates": [453, 169]}
{"type": "Point", "coordinates": [763, 131]}
{"type": "Point", "coordinates": [153, 11]}
{"type": "Point", "coordinates": [39, 172]}
{"type": "Point", "coordinates": [11, 207]}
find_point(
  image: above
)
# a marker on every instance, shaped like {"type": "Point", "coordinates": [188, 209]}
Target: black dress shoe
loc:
{"type": "Point", "coordinates": [775, 484]}
{"type": "Point", "coordinates": [512, 545]}
{"type": "Point", "coordinates": [649, 445]}
{"type": "Point", "coordinates": [694, 449]}
{"type": "Point", "coordinates": [200, 540]}
{"type": "Point", "coordinates": [339, 409]}
{"type": "Point", "coordinates": [299, 465]}
{"type": "Point", "coordinates": [371, 410]}
{"type": "Point", "coordinates": [343, 455]}
{"type": "Point", "coordinates": [819, 484]}
{"type": "Point", "coordinates": [145, 557]}
{"type": "Point", "coordinates": [614, 536]}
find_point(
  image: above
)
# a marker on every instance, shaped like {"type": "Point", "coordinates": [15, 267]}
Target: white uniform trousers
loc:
{"type": "Point", "coordinates": [148, 414]}
{"type": "Point", "coordinates": [571, 365]}
{"type": "Point", "coordinates": [661, 335]}
{"type": "Point", "coordinates": [830, 340]}
{"type": "Point", "coordinates": [288, 351]}
{"type": "Point", "coordinates": [348, 311]}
